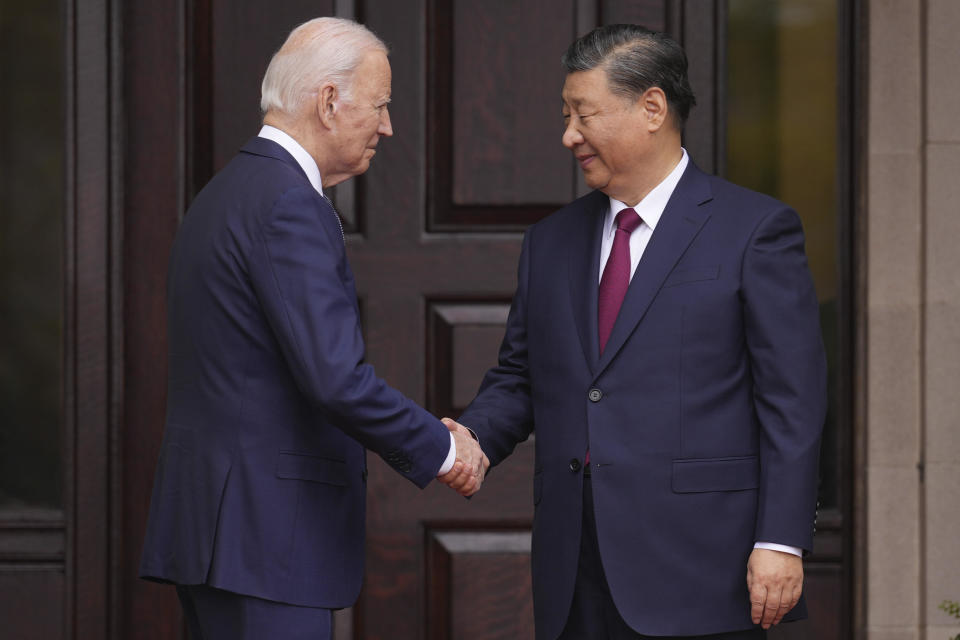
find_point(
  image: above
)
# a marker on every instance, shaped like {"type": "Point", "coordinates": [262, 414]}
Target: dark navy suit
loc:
{"type": "Point", "coordinates": [262, 473]}
{"type": "Point", "coordinates": [702, 417]}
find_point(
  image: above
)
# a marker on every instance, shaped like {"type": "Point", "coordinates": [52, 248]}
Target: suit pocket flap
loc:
{"type": "Point", "coordinates": [692, 274]}
{"type": "Point", "coordinates": [716, 474]}
{"type": "Point", "coordinates": [301, 466]}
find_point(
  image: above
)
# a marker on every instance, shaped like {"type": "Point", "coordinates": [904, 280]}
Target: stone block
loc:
{"type": "Point", "coordinates": [943, 70]}
{"type": "Point", "coordinates": [894, 230]}
{"type": "Point", "coordinates": [893, 387]}
{"type": "Point", "coordinates": [893, 540]}
{"type": "Point", "coordinates": [895, 95]}
{"type": "Point", "coordinates": [942, 549]}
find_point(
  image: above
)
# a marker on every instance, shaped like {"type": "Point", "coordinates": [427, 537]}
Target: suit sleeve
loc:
{"type": "Point", "coordinates": [787, 360]}
{"type": "Point", "coordinates": [502, 412]}
{"type": "Point", "coordinates": [298, 273]}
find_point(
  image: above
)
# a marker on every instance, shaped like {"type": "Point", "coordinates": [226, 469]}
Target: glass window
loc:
{"type": "Point", "coordinates": [31, 253]}
{"type": "Point", "coordinates": [782, 140]}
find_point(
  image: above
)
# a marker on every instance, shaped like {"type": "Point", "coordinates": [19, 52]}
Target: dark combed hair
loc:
{"type": "Point", "coordinates": [635, 59]}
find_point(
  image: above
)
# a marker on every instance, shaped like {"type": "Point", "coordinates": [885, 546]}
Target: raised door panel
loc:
{"type": "Point", "coordinates": [478, 584]}
{"type": "Point", "coordinates": [32, 604]}
{"type": "Point", "coordinates": [493, 112]}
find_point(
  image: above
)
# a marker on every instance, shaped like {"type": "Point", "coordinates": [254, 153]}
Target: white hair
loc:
{"type": "Point", "coordinates": [319, 51]}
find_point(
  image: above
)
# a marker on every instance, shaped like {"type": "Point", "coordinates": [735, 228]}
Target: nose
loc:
{"type": "Point", "coordinates": [385, 128]}
{"type": "Point", "coordinates": [571, 136]}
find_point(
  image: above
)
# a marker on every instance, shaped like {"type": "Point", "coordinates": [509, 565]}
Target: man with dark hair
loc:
{"type": "Point", "coordinates": [664, 342]}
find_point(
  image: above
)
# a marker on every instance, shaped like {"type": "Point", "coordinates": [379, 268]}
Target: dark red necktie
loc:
{"type": "Point", "coordinates": [616, 275]}
{"type": "Point", "coordinates": [615, 280]}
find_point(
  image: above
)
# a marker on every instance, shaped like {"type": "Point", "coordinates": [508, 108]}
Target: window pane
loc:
{"type": "Point", "coordinates": [782, 140]}
{"type": "Point", "coordinates": [31, 252]}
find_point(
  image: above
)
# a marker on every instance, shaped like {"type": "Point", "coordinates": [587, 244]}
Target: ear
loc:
{"type": "Point", "coordinates": [327, 104]}
{"type": "Point", "coordinates": [655, 106]}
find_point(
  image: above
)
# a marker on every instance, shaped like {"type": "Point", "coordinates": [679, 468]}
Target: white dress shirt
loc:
{"type": "Point", "coordinates": [303, 158]}
{"type": "Point", "coordinates": [309, 166]}
{"type": "Point", "coordinates": [650, 209]}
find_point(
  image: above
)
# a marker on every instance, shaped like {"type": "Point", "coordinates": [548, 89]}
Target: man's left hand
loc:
{"type": "Point", "coordinates": [775, 581]}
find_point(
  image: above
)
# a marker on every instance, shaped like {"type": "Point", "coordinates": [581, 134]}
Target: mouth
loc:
{"type": "Point", "coordinates": [585, 159]}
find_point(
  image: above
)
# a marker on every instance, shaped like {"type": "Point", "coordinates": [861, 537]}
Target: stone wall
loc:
{"type": "Point", "coordinates": [910, 470]}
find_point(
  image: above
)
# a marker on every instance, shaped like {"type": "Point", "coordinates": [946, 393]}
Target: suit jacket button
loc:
{"type": "Point", "coordinates": [595, 395]}
{"type": "Point", "coordinates": [574, 465]}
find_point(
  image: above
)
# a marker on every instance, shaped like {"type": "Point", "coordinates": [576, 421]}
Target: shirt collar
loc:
{"type": "Point", "coordinates": [651, 207]}
{"type": "Point", "coordinates": [304, 159]}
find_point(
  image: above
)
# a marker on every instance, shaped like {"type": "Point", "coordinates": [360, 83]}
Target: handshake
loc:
{"type": "Point", "coordinates": [471, 464]}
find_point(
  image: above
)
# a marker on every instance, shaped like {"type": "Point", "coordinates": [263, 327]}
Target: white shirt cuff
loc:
{"type": "Point", "coordinates": [773, 546]}
{"type": "Point", "coordinates": [451, 458]}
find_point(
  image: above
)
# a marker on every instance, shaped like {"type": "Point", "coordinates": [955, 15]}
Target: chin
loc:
{"type": "Point", "coordinates": [594, 183]}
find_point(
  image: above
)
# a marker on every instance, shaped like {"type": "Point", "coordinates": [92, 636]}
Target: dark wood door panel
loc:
{"type": "Point", "coordinates": [462, 343]}
{"type": "Point", "coordinates": [478, 584]}
{"type": "Point", "coordinates": [495, 161]}
{"type": "Point", "coordinates": [32, 602]}
{"type": "Point", "coordinates": [405, 592]}
{"type": "Point", "coordinates": [496, 139]}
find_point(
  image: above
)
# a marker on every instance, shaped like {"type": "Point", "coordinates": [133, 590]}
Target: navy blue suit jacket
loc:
{"type": "Point", "coordinates": [262, 472]}
{"type": "Point", "coordinates": [703, 415]}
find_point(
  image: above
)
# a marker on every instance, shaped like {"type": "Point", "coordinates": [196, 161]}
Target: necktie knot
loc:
{"type": "Point", "coordinates": [628, 220]}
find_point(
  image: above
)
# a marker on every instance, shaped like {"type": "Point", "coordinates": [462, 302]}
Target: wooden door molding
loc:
{"type": "Point", "coordinates": [94, 328]}
{"type": "Point", "coordinates": [701, 27]}
{"type": "Point", "coordinates": [157, 173]}
{"type": "Point", "coordinates": [58, 567]}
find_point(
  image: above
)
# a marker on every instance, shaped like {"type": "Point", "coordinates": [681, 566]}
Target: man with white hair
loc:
{"type": "Point", "coordinates": [257, 512]}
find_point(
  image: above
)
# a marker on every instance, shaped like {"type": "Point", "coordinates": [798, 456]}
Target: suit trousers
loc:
{"type": "Point", "coordinates": [214, 614]}
{"type": "Point", "coordinates": [593, 613]}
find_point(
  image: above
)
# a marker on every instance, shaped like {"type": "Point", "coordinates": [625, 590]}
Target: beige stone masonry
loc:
{"type": "Point", "coordinates": [912, 248]}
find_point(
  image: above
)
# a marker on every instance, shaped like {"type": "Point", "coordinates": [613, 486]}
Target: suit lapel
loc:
{"type": "Point", "coordinates": [269, 149]}
{"type": "Point", "coordinates": [584, 272]}
{"type": "Point", "coordinates": [682, 219]}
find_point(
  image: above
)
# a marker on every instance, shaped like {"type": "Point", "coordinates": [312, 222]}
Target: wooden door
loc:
{"type": "Point", "coordinates": [433, 232]}
{"type": "Point", "coordinates": [435, 241]}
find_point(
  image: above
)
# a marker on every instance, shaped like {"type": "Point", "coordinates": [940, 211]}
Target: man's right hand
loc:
{"type": "Point", "coordinates": [775, 582]}
{"type": "Point", "coordinates": [471, 464]}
